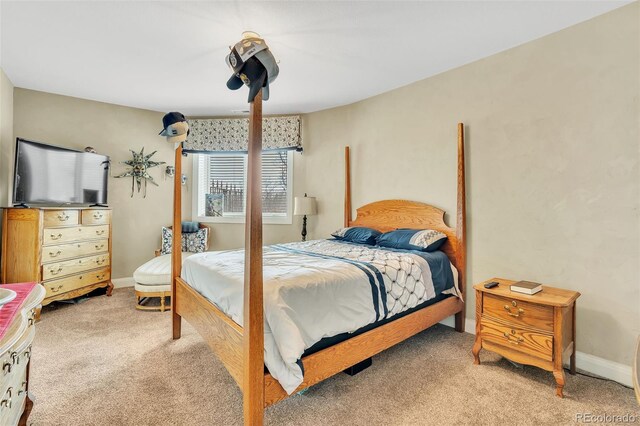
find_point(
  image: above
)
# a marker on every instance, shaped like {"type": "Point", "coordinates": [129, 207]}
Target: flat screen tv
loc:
{"type": "Point", "coordinates": [47, 174]}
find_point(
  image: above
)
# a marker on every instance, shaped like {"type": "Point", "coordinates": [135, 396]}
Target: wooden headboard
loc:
{"type": "Point", "coordinates": [387, 215]}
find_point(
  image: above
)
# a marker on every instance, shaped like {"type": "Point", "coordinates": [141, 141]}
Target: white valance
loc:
{"type": "Point", "coordinates": [232, 134]}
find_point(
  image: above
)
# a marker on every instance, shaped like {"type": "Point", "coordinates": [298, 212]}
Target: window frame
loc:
{"type": "Point", "coordinates": [240, 218]}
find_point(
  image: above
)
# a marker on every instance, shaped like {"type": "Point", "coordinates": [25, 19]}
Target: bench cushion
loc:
{"type": "Point", "coordinates": [157, 271]}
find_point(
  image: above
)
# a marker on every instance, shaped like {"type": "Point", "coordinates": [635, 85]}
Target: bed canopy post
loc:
{"type": "Point", "coordinates": [347, 187]}
{"type": "Point", "coordinates": [253, 317]}
{"type": "Point", "coordinates": [176, 243]}
{"type": "Point", "coordinates": [461, 233]}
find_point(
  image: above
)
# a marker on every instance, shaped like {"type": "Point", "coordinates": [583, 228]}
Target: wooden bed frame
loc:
{"type": "Point", "coordinates": [241, 349]}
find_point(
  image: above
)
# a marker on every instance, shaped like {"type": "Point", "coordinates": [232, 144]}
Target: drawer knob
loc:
{"type": "Point", "coordinates": [55, 289]}
{"type": "Point", "coordinates": [63, 217]}
{"type": "Point", "coordinates": [512, 338]}
{"type": "Point", "coordinates": [7, 401]}
{"type": "Point", "coordinates": [56, 237]}
{"type": "Point", "coordinates": [56, 254]}
{"type": "Point", "coordinates": [100, 277]}
{"type": "Point", "coordinates": [55, 271]}
{"type": "Point", "coordinates": [100, 261]}
{"type": "Point", "coordinates": [23, 388]}
{"type": "Point", "coordinates": [98, 247]}
{"type": "Point", "coordinates": [519, 312]}
{"type": "Point", "coordinates": [97, 215]}
{"type": "Point", "coordinates": [100, 232]}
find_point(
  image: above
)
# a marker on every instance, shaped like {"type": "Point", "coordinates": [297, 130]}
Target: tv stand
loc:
{"type": "Point", "coordinates": [98, 205]}
{"type": "Point", "coordinates": [21, 205]}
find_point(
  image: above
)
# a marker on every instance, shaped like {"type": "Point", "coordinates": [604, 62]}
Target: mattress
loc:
{"type": "Point", "coordinates": [321, 289]}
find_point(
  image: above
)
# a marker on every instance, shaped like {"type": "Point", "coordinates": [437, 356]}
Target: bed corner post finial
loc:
{"type": "Point", "coordinates": [461, 233]}
{"type": "Point", "coordinates": [347, 187]}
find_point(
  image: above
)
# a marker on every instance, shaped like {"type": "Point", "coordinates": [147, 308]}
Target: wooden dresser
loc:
{"type": "Point", "coordinates": [15, 359]}
{"type": "Point", "coordinates": [67, 250]}
{"type": "Point", "coordinates": [537, 329]}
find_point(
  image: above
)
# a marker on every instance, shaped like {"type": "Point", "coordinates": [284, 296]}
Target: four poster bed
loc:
{"type": "Point", "coordinates": [244, 349]}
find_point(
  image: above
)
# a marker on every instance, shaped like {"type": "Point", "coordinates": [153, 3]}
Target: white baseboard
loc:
{"type": "Point", "coordinates": [123, 282]}
{"type": "Point", "coordinates": [588, 363]}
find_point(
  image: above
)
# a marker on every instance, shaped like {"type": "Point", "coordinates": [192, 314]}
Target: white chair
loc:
{"type": "Point", "coordinates": [153, 279]}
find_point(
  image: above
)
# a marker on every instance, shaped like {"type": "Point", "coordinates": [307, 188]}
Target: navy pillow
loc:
{"type": "Point", "coordinates": [189, 227]}
{"type": "Point", "coordinates": [357, 234]}
{"type": "Point", "coordinates": [412, 239]}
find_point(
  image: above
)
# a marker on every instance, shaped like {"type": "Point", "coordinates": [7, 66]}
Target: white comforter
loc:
{"type": "Point", "coordinates": [313, 290]}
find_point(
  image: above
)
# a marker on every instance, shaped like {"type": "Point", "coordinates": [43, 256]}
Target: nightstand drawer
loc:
{"type": "Point", "coordinates": [518, 312]}
{"type": "Point", "coordinates": [533, 343]}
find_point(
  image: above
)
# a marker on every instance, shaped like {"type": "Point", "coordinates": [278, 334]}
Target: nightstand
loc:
{"type": "Point", "coordinates": [538, 330]}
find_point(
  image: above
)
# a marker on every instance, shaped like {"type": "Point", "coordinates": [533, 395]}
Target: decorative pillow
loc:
{"type": "Point", "coordinates": [193, 242]}
{"type": "Point", "coordinates": [412, 239]}
{"type": "Point", "coordinates": [356, 234]}
{"type": "Point", "coordinates": [188, 227]}
{"type": "Point", "coordinates": [167, 235]}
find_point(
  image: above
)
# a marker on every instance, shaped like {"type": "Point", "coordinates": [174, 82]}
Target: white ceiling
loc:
{"type": "Point", "coordinates": [169, 56]}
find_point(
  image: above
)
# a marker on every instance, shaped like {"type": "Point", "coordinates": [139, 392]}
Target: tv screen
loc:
{"type": "Point", "coordinates": [46, 174]}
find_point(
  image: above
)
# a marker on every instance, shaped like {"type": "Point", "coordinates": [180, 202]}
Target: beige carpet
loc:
{"type": "Point", "coordinates": [102, 362]}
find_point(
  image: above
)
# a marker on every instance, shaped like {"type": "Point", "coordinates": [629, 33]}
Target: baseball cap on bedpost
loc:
{"type": "Point", "coordinates": [176, 128]}
{"type": "Point", "coordinates": [253, 65]}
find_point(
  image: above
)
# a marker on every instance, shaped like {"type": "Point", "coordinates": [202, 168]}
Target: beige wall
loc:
{"type": "Point", "coordinates": [113, 130]}
{"type": "Point", "coordinates": [553, 180]}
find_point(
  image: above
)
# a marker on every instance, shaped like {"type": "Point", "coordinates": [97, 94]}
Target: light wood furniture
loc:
{"type": "Point", "coordinates": [241, 349]}
{"type": "Point", "coordinates": [159, 287]}
{"type": "Point", "coordinates": [15, 359]}
{"type": "Point", "coordinates": [67, 250]}
{"type": "Point", "coordinates": [537, 329]}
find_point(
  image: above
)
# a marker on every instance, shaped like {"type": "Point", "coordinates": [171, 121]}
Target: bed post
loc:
{"type": "Point", "coordinates": [176, 243]}
{"type": "Point", "coordinates": [461, 233]}
{"type": "Point", "coordinates": [347, 187]}
{"type": "Point", "coordinates": [253, 318]}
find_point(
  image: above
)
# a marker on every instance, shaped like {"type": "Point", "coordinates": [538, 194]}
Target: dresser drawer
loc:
{"type": "Point", "coordinates": [96, 217]}
{"type": "Point", "coordinates": [75, 233]}
{"type": "Point", "coordinates": [518, 312]}
{"type": "Point", "coordinates": [74, 266]}
{"type": "Point", "coordinates": [53, 218]}
{"type": "Point", "coordinates": [73, 282]}
{"type": "Point", "coordinates": [536, 344]}
{"type": "Point", "coordinates": [68, 251]}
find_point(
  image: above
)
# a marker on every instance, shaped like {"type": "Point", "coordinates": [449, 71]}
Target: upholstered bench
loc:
{"type": "Point", "coordinates": [153, 279]}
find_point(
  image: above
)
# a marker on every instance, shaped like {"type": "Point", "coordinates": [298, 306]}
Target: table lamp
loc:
{"type": "Point", "coordinates": [304, 206]}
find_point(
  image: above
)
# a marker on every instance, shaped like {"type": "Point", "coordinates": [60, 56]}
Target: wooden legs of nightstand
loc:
{"type": "Point", "coordinates": [558, 370]}
{"type": "Point", "coordinates": [572, 361]}
{"type": "Point", "coordinates": [109, 288]}
{"type": "Point", "coordinates": [476, 351]}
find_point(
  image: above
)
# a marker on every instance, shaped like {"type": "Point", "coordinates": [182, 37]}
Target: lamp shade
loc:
{"type": "Point", "coordinates": [304, 206]}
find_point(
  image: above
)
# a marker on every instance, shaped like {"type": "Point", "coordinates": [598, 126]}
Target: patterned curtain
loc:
{"type": "Point", "coordinates": [232, 134]}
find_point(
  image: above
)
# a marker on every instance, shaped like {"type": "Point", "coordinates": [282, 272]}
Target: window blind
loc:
{"type": "Point", "coordinates": [226, 176]}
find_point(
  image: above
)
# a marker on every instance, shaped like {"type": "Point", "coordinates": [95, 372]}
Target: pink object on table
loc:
{"type": "Point", "coordinates": [10, 310]}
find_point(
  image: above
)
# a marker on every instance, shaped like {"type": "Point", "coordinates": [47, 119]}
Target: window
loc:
{"type": "Point", "coordinates": [221, 185]}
